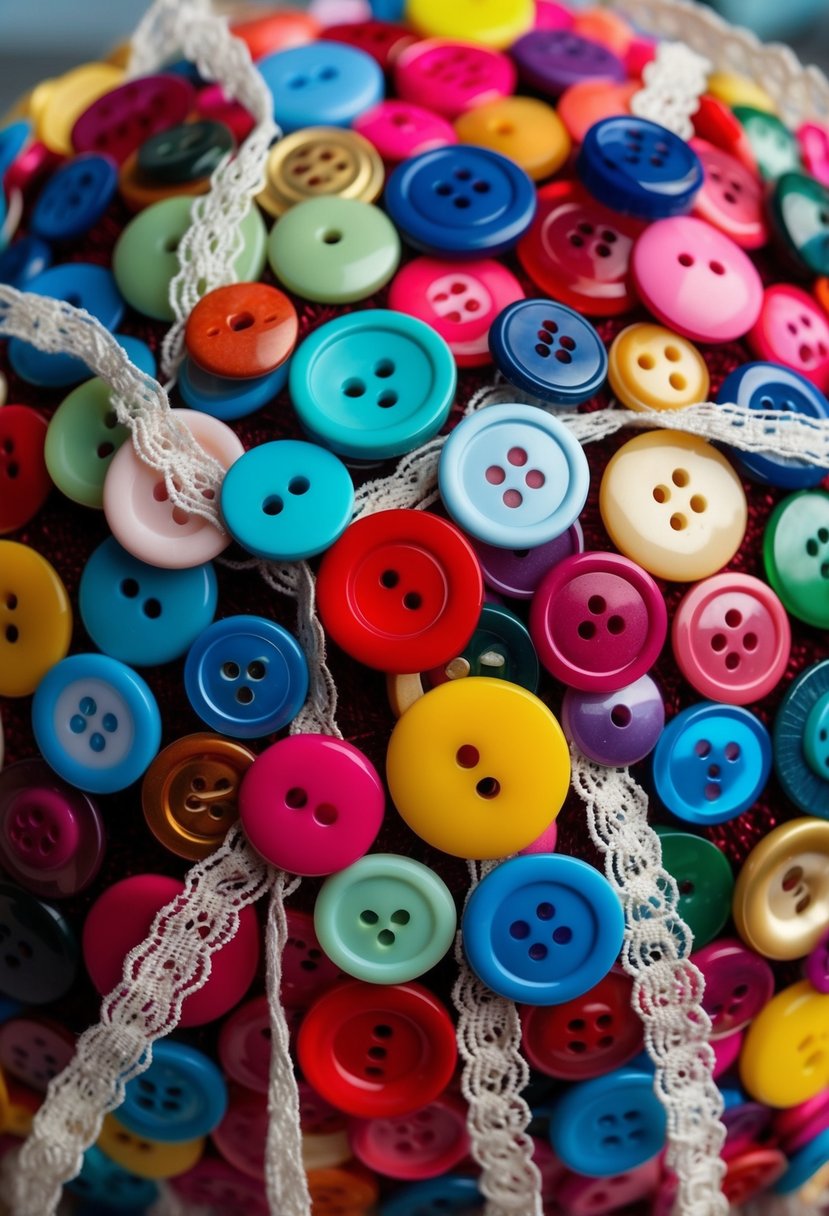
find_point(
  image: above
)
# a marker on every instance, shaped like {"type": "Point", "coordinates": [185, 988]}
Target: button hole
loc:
{"type": "Point", "coordinates": [467, 756]}
{"type": "Point", "coordinates": [488, 787]}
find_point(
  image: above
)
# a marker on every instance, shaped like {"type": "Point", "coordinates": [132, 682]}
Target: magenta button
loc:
{"type": "Point", "coordinates": [738, 984]}
{"type": "Point", "coordinates": [399, 129]}
{"type": "Point", "coordinates": [793, 329]}
{"type": "Point", "coordinates": [242, 1133]}
{"type": "Point", "coordinates": [218, 1186]}
{"type": "Point", "coordinates": [117, 122]}
{"type": "Point", "coordinates": [817, 965]}
{"type": "Point", "coordinates": [449, 77]}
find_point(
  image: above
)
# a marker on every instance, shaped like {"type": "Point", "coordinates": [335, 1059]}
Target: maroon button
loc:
{"type": "Point", "coordinates": [316, 1116]}
{"type": "Point", "coordinates": [243, 1132]}
{"type": "Point", "coordinates": [33, 1050]}
{"type": "Point", "coordinates": [738, 984]}
{"type": "Point", "coordinates": [306, 971]}
{"type": "Point", "coordinates": [585, 1037]}
{"type": "Point", "coordinates": [218, 1186]}
{"type": "Point", "coordinates": [424, 1144]}
{"type": "Point", "coordinates": [24, 480]}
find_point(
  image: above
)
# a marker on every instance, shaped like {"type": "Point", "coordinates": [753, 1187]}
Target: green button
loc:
{"type": "Point", "coordinates": [334, 250]}
{"type": "Point", "coordinates": [184, 153]}
{"type": "Point", "coordinates": [386, 919]}
{"type": "Point", "coordinates": [703, 876]}
{"type": "Point", "coordinates": [500, 647]}
{"type": "Point", "coordinates": [796, 555]}
{"type": "Point", "coordinates": [799, 210]}
{"type": "Point", "coordinates": [82, 438]}
{"type": "Point", "coordinates": [144, 260]}
{"type": "Point", "coordinates": [774, 146]}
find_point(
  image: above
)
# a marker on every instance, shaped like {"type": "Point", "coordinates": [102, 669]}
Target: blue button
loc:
{"type": "Point", "coordinates": [23, 261]}
{"type": "Point", "coordinates": [769, 386]}
{"type": "Point", "coordinates": [13, 139]}
{"type": "Point", "coordinates": [287, 500]}
{"type": "Point", "coordinates": [435, 1197]}
{"type": "Point", "coordinates": [460, 200]}
{"type": "Point", "coordinates": [74, 198]}
{"type": "Point", "coordinates": [639, 168]}
{"type": "Point", "coordinates": [181, 1095]}
{"type": "Point", "coordinates": [321, 84]}
{"type": "Point", "coordinates": [229, 399]}
{"type": "Point", "coordinates": [140, 614]}
{"type": "Point", "coordinates": [711, 762]}
{"type": "Point", "coordinates": [373, 384]}
{"type": "Point", "coordinates": [39, 959]}
{"type": "Point", "coordinates": [246, 676]}
{"type": "Point", "coordinates": [103, 1182]}
{"type": "Point", "coordinates": [138, 352]}
{"type": "Point", "coordinates": [805, 1164]}
{"type": "Point", "coordinates": [548, 350]}
{"type": "Point", "coordinates": [96, 722]}
{"type": "Point", "coordinates": [608, 1125]}
{"type": "Point", "coordinates": [543, 928]}
{"type": "Point", "coordinates": [513, 476]}
{"type": "Point", "coordinates": [801, 741]}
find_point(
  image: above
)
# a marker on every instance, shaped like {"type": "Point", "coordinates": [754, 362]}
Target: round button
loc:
{"type": "Point", "coordinates": [549, 351]}
{"type": "Point", "coordinates": [551, 60]}
{"type": "Point", "coordinates": [750, 1173]}
{"type": "Point", "coordinates": [595, 1196]}
{"type": "Point", "coordinates": [213, 1183]}
{"type": "Point", "coordinates": [24, 261]}
{"type": "Point", "coordinates": [793, 329]}
{"type": "Point", "coordinates": [242, 330]}
{"type": "Point", "coordinates": [589, 101]}
{"type": "Point", "coordinates": [608, 1125]}
{"type": "Point", "coordinates": [316, 1116]}
{"type": "Point", "coordinates": [813, 140]}
{"type": "Point", "coordinates": [40, 954]}
{"type": "Point", "coordinates": [139, 192]}
{"type": "Point", "coordinates": [796, 555]}
{"type": "Point", "coordinates": [320, 161]}
{"type": "Point", "coordinates": [451, 1193]}
{"type": "Point", "coordinates": [500, 647]}
{"type": "Point", "coordinates": [213, 103]}
{"type": "Point", "coordinates": [399, 129]}
{"type": "Point", "coordinates": [478, 768]}
{"type": "Point", "coordinates": [242, 1134]}
{"type": "Point", "coordinates": [715, 122]}
{"type": "Point", "coordinates": [513, 476]}
{"type": "Point", "coordinates": [773, 146]}
{"type": "Point", "coordinates": [377, 1052]}
{"type": "Point", "coordinates": [711, 763]}
{"type": "Point", "coordinates": [492, 23]}
{"type": "Point", "coordinates": [35, 619]}
{"type": "Point", "coordinates": [322, 82]}
{"type": "Point", "coordinates": [704, 882]}
{"type": "Point", "coordinates": [797, 1125]}
{"type": "Point", "coordinates": [616, 729]}
{"type": "Point", "coordinates": [144, 1157]}
{"type": "Point", "coordinates": [639, 168]}
{"type": "Point", "coordinates": [383, 39]}
{"type": "Point", "coordinates": [652, 368]}
{"type": "Point", "coordinates": [68, 97]}
{"type": "Point", "coordinates": [807, 1171]}
{"type": "Point", "coordinates": [385, 919]}
{"type": "Point", "coordinates": [184, 152]}
{"type": "Point", "coordinates": [24, 480]}
{"type": "Point", "coordinates": [124, 117]}
{"type": "Point", "coordinates": [785, 1056]}
{"type": "Point", "coordinates": [421, 1145]}
{"type": "Point", "coordinates": [738, 984]}
{"type": "Point", "coordinates": [745, 1122]}
{"type": "Point", "coordinates": [228, 399]}
{"type": "Point", "coordinates": [103, 1182]}
{"type": "Point", "coordinates": [74, 198]}
{"type": "Point", "coordinates": [245, 1045]}
{"type": "Point", "coordinates": [306, 971]}
{"type": "Point", "coordinates": [348, 1191]}
{"type": "Point", "coordinates": [673, 504]}
{"type": "Point", "coordinates": [180, 1096]}
{"type": "Point", "coordinates": [817, 965]}
{"type": "Point", "coordinates": [518, 572]}
{"type": "Point", "coordinates": [524, 129]}
{"type": "Point", "coordinates": [275, 31]}
{"type": "Point", "coordinates": [34, 1050]}
{"type": "Point", "coordinates": [737, 90]}
{"type": "Point", "coordinates": [586, 1036]}
{"type": "Point", "coordinates": [731, 198]}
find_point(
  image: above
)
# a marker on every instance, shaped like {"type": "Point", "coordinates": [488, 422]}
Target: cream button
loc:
{"type": "Point", "coordinates": [651, 367]}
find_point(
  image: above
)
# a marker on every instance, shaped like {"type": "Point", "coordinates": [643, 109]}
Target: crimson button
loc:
{"type": "Point", "coordinates": [24, 480]}
{"type": "Point", "coordinates": [585, 1037]}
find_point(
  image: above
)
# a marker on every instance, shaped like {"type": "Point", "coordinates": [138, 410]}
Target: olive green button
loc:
{"type": "Point", "coordinates": [334, 250]}
{"type": "Point", "coordinates": [144, 260]}
{"type": "Point", "coordinates": [703, 876]}
{"type": "Point", "coordinates": [799, 209]}
{"type": "Point", "coordinates": [82, 438]}
{"type": "Point", "coordinates": [796, 555]}
{"type": "Point", "coordinates": [185, 152]}
{"type": "Point", "coordinates": [774, 146]}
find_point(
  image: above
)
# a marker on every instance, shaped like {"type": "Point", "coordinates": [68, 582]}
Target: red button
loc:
{"type": "Point", "coordinates": [242, 330]}
{"type": "Point", "coordinates": [382, 40]}
{"type": "Point", "coordinates": [243, 1132]}
{"type": "Point", "coordinates": [715, 122]}
{"type": "Point", "coordinates": [24, 480]}
{"type": "Point", "coordinates": [218, 1186]}
{"type": "Point", "coordinates": [750, 1172]}
{"type": "Point", "coordinates": [585, 1037]}
{"type": "Point", "coordinates": [401, 591]}
{"type": "Point", "coordinates": [424, 1144]}
{"type": "Point", "coordinates": [378, 1050]}
{"type": "Point", "coordinates": [33, 1050]}
{"type": "Point", "coordinates": [793, 329]}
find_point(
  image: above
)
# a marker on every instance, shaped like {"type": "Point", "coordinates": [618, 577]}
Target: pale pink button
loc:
{"type": "Point", "coordinates": [33, 1050]}
{"type": "Point", "coordinates": [813, 138]}
{"type": "Point", "coordinates": [731, 197]}
{"type": "Point", "coordinates": [589, 101]}
{"type": "Point", "coordinates": [792, 329]}
{"type": "Point", "coordinates": [424, 1144]}
{"type": "Point", "coordinates": [243, 1132]}
{"type": "Point", "coordinates": [138, 508]}
{"type": "Point", "coordinates": [583, 1196]}
{"type": "Point", "coordinates": [449, 77]}
{"type": "Point", "coordinates": [399, 129]}
{"type": "Point", "coordinates": [245, 1045]}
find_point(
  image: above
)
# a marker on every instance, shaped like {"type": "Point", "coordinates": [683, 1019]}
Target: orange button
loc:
{"type": "Point", "coordinates": [242, 330]}
{"type": "Point", "coordinates": [524, 129]}
{"type": "Point", "coordinates": [138, 193]}
{"type": "Point", "coordinates": [275, 32]}
{"type": "Point", "coordinates": [341, 1192]}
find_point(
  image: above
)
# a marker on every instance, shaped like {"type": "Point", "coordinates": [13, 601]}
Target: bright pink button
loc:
{"type": "Point", "coordinates": [731, 638]}
{"type": "Point", "coordinates": [738, 984]}
{"type": "Point", "coordinates": [33, 1050]}
{"type": "Point", "coordinates": [213, 103]}
{"type": "Point", "coordinates": [218, 1186]}
{"type": "Point", "coordinates": [794, 1126]}
{"type": "Point", "coordinates": [311, 804]}
{"type": "Point", "coordinates": [550, 15]}
{"type": "Point", "coordinates": [583, 1196]}
{"type": "Point", "coordinates": [450, 77]}
{"type": "Point", "coordinates": [546, 842]}
{"type": "Point", "coordinates": [813, 138]}
{"type": "Point", "coordinates": [243, 1132]}
{"type": "Point", "coordinates": [641, 51]}
{"type": "Point", "coordinates": [399, 129]}
{"type": "Point", "coordinates": [589, 101]}
{"type": "Point", "coordinates": [117, 122]}
{"type": "Point", "coordinates": [726, 1052]}
{"type": "Point", "coordinates": [307, 971]}
{"type": "Point", "coordinates": [30, 166]}
{"type": "Point", "coordinates": [122, 917]}
{"type": "Point", "coordinates": [731, 197]}
{"type": "Point", "coordinates": [424, 1144]}
{"type": "Point", "coordinates": [696, 280]}
{"type": "Point", "coordinates": [817, 964]}
{"type": "Point", "coordinates": [316, 1116]}
{"type": "Point", "coordinates": [792, 329]}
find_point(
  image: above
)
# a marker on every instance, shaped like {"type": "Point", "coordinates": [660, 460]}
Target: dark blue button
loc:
{"type": "Point", "coordinates": [74, 198]}
{"type": "Point", "coordinates": [548, 350]}
{"type": "Point", "coordinates": [321, 84]}
{"type": "Point", "coordinates": [38, 951]}
{"type": "Point", "coordinates": [553, 60]}
{"type": "Point", "coordinates": [609, 1125]}
{"type": "Point", "coordinates": [229, 399]}
{"type": "Point", "coordinates": [639, 168]}
{"type": "Point", "coordinates": [13, 139]}
{"type": "Point", "coordinates": [460, 200]}
{"type": "Point", "coordinates": [181, 1095]}
{"type": "Point", "coordinates": [102, 1182]}
{"type": "Point", "coordinates": [23, 261]}
{"type": "Point", "coordinates": [435, 1197]}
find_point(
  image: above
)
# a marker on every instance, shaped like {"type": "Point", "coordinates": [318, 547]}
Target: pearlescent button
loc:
{"type": "Point", "coordinates": [320, 161]}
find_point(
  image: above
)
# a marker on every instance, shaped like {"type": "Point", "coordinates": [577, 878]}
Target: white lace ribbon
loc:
{"type": "Point", "coordinates": [674, 81]}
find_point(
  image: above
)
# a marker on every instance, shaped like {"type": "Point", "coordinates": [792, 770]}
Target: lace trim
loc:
{"type": "Point", "coordinates": [674, 82]}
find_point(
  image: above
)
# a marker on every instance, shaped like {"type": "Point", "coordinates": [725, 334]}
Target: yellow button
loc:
{"type": "Point", "coordinates": [35, 619]}
{"type": "Point", "coordinates": [491, 22]}
{"type": "Point", "coordinates": [736, 90]}
{"type": "Point", "coordinates": [673, 504]}
{"type": "Point", "coordinates": [785, 1056]}
{"type": "Point", "coordinates": [320, 161]}
{"type": "Point", "coordinates": [21, 1106]}
{"type": "Point", "coordinates": [68, 97]}
{"type": "Point", "coordinates": [651, 367]}
{"type": "Point", "coordinates": [322, 1151]}
{"type": "Point", "coordinates": [781, 898]}
{"type": "Point", "coordinates": [478, 768]}
{"type": "Point", "coordinates": [527, 131]}
{"type": "Point", "coordinates": [148, 1158]}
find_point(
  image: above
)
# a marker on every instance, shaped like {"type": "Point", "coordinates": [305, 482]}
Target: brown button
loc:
{"type": "Point", "coordinates": [138, 193]}
{"type": "Point", "coordinates": [242, 330]}
{"type": "Point", "coordinates": [320, 161]}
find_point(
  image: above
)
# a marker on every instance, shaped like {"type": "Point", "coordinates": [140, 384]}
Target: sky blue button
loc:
{"type": "Point", "coordinates": [246, 676]}
{"type": "Point", "coordinates": [181, 1095]}
{"type": "Point", "coordinates": [229, 399]}
{"type": "Point", "coordinates": [102, 1182]}
{"type": "Point", "coordinates": [23, 261]}
{"type": "Point", "coordinates": [321, 84]}
{"type": "Point", "coordinates": [287, 500]}
{"type": "Point", "coordinates": [548, 350]}
{"type": "Point", "coordinates": [609, 1125]}
{"type": "Point", "coordinates": [138, 351]}
{"type": "Point", "coordinates": [513, 476]}
{"type": "Point", "coordinates": [74, 197]}
{"type": "Point", "coordinates": [140, 614]}
{"type": "Point", "coordinates": [711, 762]}
{"type": "Point", "coordinates": [637, 167]}
{"type": "Point", "coordinates": [542, 929]}
{"type": "Point", "coordinates": [805, 1164]}
{"type": "Point", "coordinates": [801, 741]}
{"type": "Point", "coordinates": [13, 138]}
{"type": "Point", "coordinates": [451, 1193]}
{"type": "Point", "coordinates": [96, 722]}
{"type": "Point", "coordinates": [373, 384]}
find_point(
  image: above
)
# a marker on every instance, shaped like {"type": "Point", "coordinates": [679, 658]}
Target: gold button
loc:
{"type": "Point", "coordinates": [524, 129]}
{"type": "Point", "coordinates": [651, 367]}
{"type": "Point", "coordinates": [320, 161]}
{"type": "Point", "coordinates": [65, 99]}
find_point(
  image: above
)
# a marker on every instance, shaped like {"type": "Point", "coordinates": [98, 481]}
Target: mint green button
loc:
{"type": "Point", "coordinates": [144, 260]}
{"type": "Point", "coordinates": [82, 438]}
{"type": "Point", "coordinates": [334, 250]}
{"type": "Point", "coordinates": [386, 919]}
{"type": "Point", "coordinates": [796, 555]}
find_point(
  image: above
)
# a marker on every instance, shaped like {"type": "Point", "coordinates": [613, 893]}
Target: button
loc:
{"type": "Point", "coordinates": [736, 90]}
{"type": "Point", "coordinates": [400, 129]}
{"type": "Point", "coordinates": [24, 480]}
{"type": "Point", "coordinates": [242, 330]}
{"type": "Point", "coordinates": [452, 1193]}
{"type": "Point", "coordinates": [242, 1134]}
{"type": "Point", "coordinates": [492, 23]}
{"type": "Point", "coordinates": [798, 1124]}
{"type": "Point", "coordinates": [322, 82]}
{"type": "Point", "coordinates": [704, 882]}
{"type": "Point", "coordinates": [750, 1173]}
{"type": "Point", "coordinates": [549, 351]}
{"type": "Point", "coordinates": [124, 117]}
{"type": "Point", "coordinates": [513, 476]}
{"type": "Point", "coordinates": [449, 77]}
{"type": "Point", "coordinates": [773, 145]}
{"type": "Point", "coordinates": [711, 763]}
{"type": "Point", "coordinates": [553, 60]}
{"type": "Point", "coordinates": [311, 804]}
{"type": "Point", "coordinates": [213, 103]}
{"type": "Point", "coordinates": [316, 1116]}
{"type": "Point", "coordinates": [306, 971]}
{"type": "Point", "coordinates": [796, 555]}
{"type": "Point", "coordinates": [321, 161]}
{"type": "Point", "coordinates": [813, 140]}
{"type": "Point", "coordinates": [652, 368]}
{"type": "Point", "coordinates": [144, 1157]}
{"type": "Point", "coordinates": [103, 1182]}
{"type": "Point", "coordinates": [589, 101]}
{"type": "Point", "coordinates": [674, 505]}
{"type": "Point", "coordinates": [744, 1121]}
{"type": "Point", "coordinates": [500, 647]}
{"type": "Point", "coordinates": [74, 198]}
{"type": "Point", "coordinates": [738, 984]}
{"type": "Point", "coordinates": [51, 835]}
{"type": "Point", "coordinates": [785, 1057]}
{"type": "Point", "coordinates": [245, 1045]}
{"type": "Point", "coordinates": [96, 722]}
{"type": "Point", "coordinates": [386, 920]}
{"type": "Point", "coordinates": [726, 1053]}
{"type": "Point", "coordinates": [378, 1051]}
{"type": "Point", "coordinates": [731, 198]}
{"type": "Point", "coordinates": [596, 1196]}
{"type": "Point", "coordinates": [478, 768]}
{"type": "Point", "coordinates": [180, 1096]}
{"type": "Point", "coordinates": [39, 963]}
{"type": "Point", "coordinates": [33, 1050]}
{"type": "Point", "coordinates": [799, 210]}
{"type": "Point", "coordinates": [598, 622]}
{"type": "Point", "coordinates": [817, 965]}
{"type": "Point", "coordinates": [586, 1036]}
{"type": "Point", "coordinates": [715, 122]}
{"type": "Point", "coordinates": [35, 619]}
{"type": "Point", "coordinates": [383, 40]}
{"type": "Point", "coordinates": [342, 1192]}
{"type": "Point", "coordinates": [807, 1171]}
{"type": "Point", "coordinates": [518, 572]}
{"type": "Point", "coordinates": [608, 1125]}
{"type": "Point", "coordinates": [139, 193]}
{"type": "Point", "coordinates": [793, 329]}
{"type": "Point", "coordinates": [34, 163]}
{"type": "Point", "coordinates": [421, 1145]}
{"type": "Point", "coordinates": [246, 676]}
{"type": "Point", "coordinates": [121, 918]}
{"type": "Point", "coordinates": [639, 167]}
{"type": "Point", "coordinates": [68, 97]}
{"type": "Point", "coordinates": [190, 793]}
{"type": "Point", "coordinates": [274, 31]}
{"type": "Point", "coordinates": [23, 261]}
{"type": "Point", "coordinates": [526, 130]}
{"type": "Point", "coordinates": [460, 200]}
{"type": "Point", "coordinates": [14, 138]}
{"type": "Point", "coordinates": [213, 1183]}
{"type": "Point", "coordinates": [228, 399]}
{"type": "Point", "coordinates": [615, 729]}
{"type": "Point", "coordinates": [185, 152]}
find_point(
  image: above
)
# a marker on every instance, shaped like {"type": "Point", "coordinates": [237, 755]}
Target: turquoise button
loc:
{"type": "Point", "coordinates": [386, 919]}
{"type": "Point", "coordinates": [372, 384]}
{"type": "Point", "coordinates": [816, 738]}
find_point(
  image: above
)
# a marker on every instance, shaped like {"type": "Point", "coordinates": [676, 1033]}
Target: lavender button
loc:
{"type": "Point", "coordinates": [552, 60]}
{"type": "Point", "coordinates": [517, 572]}
{"type": "Point", "coordinates": [615, 728]}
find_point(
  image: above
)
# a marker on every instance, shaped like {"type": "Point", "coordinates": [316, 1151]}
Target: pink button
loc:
{"type": "Point", "coordinates": [641, 51]}
{"type": "Point", "coordinates": [589, 101]}
{"type": "Point", "coordinates": [745, 1123]}
{"type": "Point", "coordinates": [311, 804]}
{"type": "Point", "coordinates": [218, 1186]}
{"type": "Point", "coordinates": [243, 1132]}
{"type": "Point", "coordinates": [731, 638]}
{"type": "Point", "coordinates": [738, 984]}
{"type": "Point", "coordinates": [424, 1144]}
{"type": "Point", "coordinates": [696, 280]}
{"type": "Point", "coordinates": [583, 1196]}
{"type": "Point", "coordinates": [213, 103]}
{"type": "Point", "coordinates": [316, 1116]}
{"type": "Point", "coordinates": [459, 300]}
{"type": "Point", "coordinates": [731, 197]}
{"type": "Point", "coordinates": [665, 1196]}
{"type": "Point", "coordinates": [307, 971]}
{"type": "Point", "coordinates": [792, 329]}
{"type": "Point", "coordinates": [399, 129]}
{"type": "Point", "coordinates": [817, 965]}
{"type": "Point", "coordinates": [30, 166]}
{"type": "Point", "coordinates": [797, 1125]}
{"type": "Point", "coordinates": [138, 508]}
{"type": "Point", "coordinates": [598, 621]}
{"type": "Point", "coordinates": [450, 77]}
{"type": "Point", "coordinates": [117, 122]}
{"type": "Point", "coordinates": [550, 15]}
{"type": "Point", "coordinates": [546, 842]}
{"type": "Point", "coordinates": [550, 1168]}
{"type": "Point", "coordinates": [245, 1045]}
{"type": "Point", "coordinates": [122, 917]}
{"type": "Point", "coordinates": [726, 1052]}
{"type": "Point", "coordinates": [33, 1050]}
{"type": "Point", "coordinates": [813, 138]}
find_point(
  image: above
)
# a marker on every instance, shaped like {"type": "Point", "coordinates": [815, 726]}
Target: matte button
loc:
{"type": "Point", "coordinates": [323, 82]}
{"type": "Point", "coordinates": [493, 22]}
{"type": "Point", "coordinates": [525, 129]}
{"type": "Point", "coordinates": [144, 1157]}
{"type": "Point", "coordinates": [181, 1095]}
{"type": "Point", "coordinates": [306, 971]}
{"type": "Point", "coordinates": [421, 1145]}
{"type": "Point", "coordinates": [616, 729]}
{"type": "Point", "coordinates": [213, 1183]}
{"type": "Point", "coordinates": [229, 399]}
{"type": "Point", "coordinates": [773, 145]}
{"type": "Point", "coordinates": [704, 881]}
{"type": "Point", "coordinates": [608, 1125]}
{"type": "Point", "coordinates": [74, 198]}
{"type": "Point", "coordinates": [33, 1050]}
{"type": "Point", "coordinates": [517, 573]}
{"type": "Point", "coordinates": [242, 1133]}
{"type": "Point", "coordinates": [738, 984]}
{"type": "Point", "coordinates": [399, 129]}
{"type": "Point", "coordinates": [785, 1057]}
{"type": "Point", "coordinates": [793, 329]}
{"type": "Point", "coordinates": [731, 198]}
{"type": "Point", "coordinates": [321, 161]}
{"type": "Point", "coordinates": [24, 480]}
{"type": "Point", "coordinates": [549, 351]}
{"type": "Point", "coordinates": [242, 330]}
{"type": "Point", "coordinates": [585, 1036]}
{"type": "Point", "coordinates": [35, 619]}
{"type": "Point", "coordinates": [796, 555]}
{"type": "Point", "coordinates": [553, 60]}
{"type": "Point", "coordinates": [450, 77]}
{"type": "Point", "coordinates": [102, 1181]}
{"type": "Point", "coordinates": [124, 117]}
{"type": "Point", "coordinates": [40, 959]}
{"type": "Point", "coordinates": [185, 152]}
{"type": "Point", "coordinates": [652, 368]}
{"type": "Point", "coordinates": [595, 1196]}
{"type": "Point", "coordinates": [639, 168]}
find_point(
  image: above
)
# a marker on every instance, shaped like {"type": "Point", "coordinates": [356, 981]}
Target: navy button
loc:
{"type": "Point", "coordinates": [181, 1095]}
{"type": "Point", "coordinates": [542, 929]}
{"type": "Point", "coordinates": [460, 200]}
{"type": "Point", "coordinates": [801, 741]}
{"type": "Point", "coordinates": [229, 399]}
{"type": "Point", "coordinates": [38, 951]}
{"type": "Point", "coordinates": [639, 168]}
{"type": "Point", "coordinates": [548, 350]}
{"type": "Point", "coordinates": [553, 60]}
{"type": "Point", "coordinates": [74, 198]}
{"type": "Point", "coordinates": [321, 84]}
{"type": "Point", "coordinates": [608, 1125]}
{"type": "Point", "coordinates": [103, 1182]}
{"type": "Point", "coordinates": [435, 1197]}
{"type": "Point", "coordinates": [24, 261]}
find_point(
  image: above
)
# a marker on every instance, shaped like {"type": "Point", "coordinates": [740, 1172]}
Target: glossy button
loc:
{"type": "Point", "coordinates": [185, 152]}
{"type": "Point", "coordinates": [807, 1171]}
{"type": "Point", "coordinates": [144, 1157]}
{"type": "Point", "coordinates": [525, 129]}
{"type": "Point", "coordinates": [817, 965]}
{"type": "Point", "coordinates": [351, 1191]}
{"type": "Point", "coordinates": [652, 368]}
{"type": "Point", "coordinates": [608, 1125]}
{"type": "Point", "coordinates": [228, 399]}
{"type": "Point", "coordinates": [139, 192]}
{"type": "Point", "coordinates": [617, 729]}
{"type": "Point", "coordinates": [421, 1145]}
{"type": "Point", "coordinates": [553, 60]}
{"type": "Point", "coordinates": [796, 555]}
{"type": "Point", "coordinates": [549, 351]}
{"type": "Point", "coordinates": [74, 198]}
{"type": "Point", "coordinates": [242, 330]}
{"type": "Point", "coordinates": [384, 39]}
{"type": "Point", "coordinates": [23, 261]}
{"type": "Point", "coordinates": [704, 882]}
{"type": "Point", "coordinates": [793, 329]}
{"type": "Point", "coordinates": [68, 97]}
{"type": "Point", "coordinates": [399, 129]}
{"type": "Point", "coordinates": [24, 480]}
{"type": "Point", "coordinates": [773, 145]}
{"type": "Point", "coordinates": [594, 1196]}
{"type": "Point", "coordinates": [35, 619]}
{"type": "Point", "coordinates": [39, 963]}
{"type": "Point", "coordinates": [180, 1096]}
{"type": "Point", "coordinates": [785, 1057]}
{"type": "Point", "coordinates": [493, 22]}
{"type": "Point", "coordinates": [589, 101]}
{"type": "Point", "coordinates": [731, 198]}
{"type": "Point", "coordinates": [306, 971]}
{"type": "Point", "coordinates": [124, 117]}
{"type": "Point", "coordinates": [34, 1050]}
{"type": "Point", "coordinates": [639, 168]}
{"type": "Point", "coordinates": [518, 572]}
{"type": "Point", "coordinates": [321, 161]}
{"type": "Point", "coordinates": [738, 984]}
{"type": "Point", "coordinates": [323, 82]}
{"type": "Point", "coordinates": [585, 1036]}
{"type": "Point", "coordinates": [452, 77]}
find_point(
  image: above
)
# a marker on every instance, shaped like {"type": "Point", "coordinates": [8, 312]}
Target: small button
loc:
{"type": "Point", "coordinates": [242, 1134]}
{"type": "Point", "coordinates": [228, 399]}
{"type": "Point", "coordinates": [24, 261]}
{"type": "Point", "coordinates": [74, 198]}
{"type": "Point", "coordinates": [517, 573]}
{"type": "Point", "coordinates": [321, 161]}
{"type": "Point", "coordinates": [817, 965]}
{"type": "Point", "coordinates": [181, 1095]}
{"type": "Point", "coordinates": [805, 1174]}
{"type": "Point", "coordinates": [587, 1035]}
{"type": "Point", "coordinates": [24, 480]}
{"type": "Point", "coordinates": [400, 129]}
{"type": "Point", "coordinates": [639, 168]}
{"type": "Point", "coordinates": [116, 123]}
{"type": "Point", "coordinates": [383, 40]}
{"type": "Point", "coordinates": [785, 1056]}
{"type": "Point", "coordinates": [103, 1182]}
{"type": "Point", "coordinates": [608, 1125]}
{"type": "Point", "coordinates": [652, 368]}
{"type": "Point", "coordinates": [491, 23]}
{"type": "Point", "coordinates": [751, 1173]}
{"type": "Point", "coordinates": [306, 971]}
{"type": "Point", "coordinates": [526, 130]}
{"type": "Point", "coordinates": [245, 1045]}
{"type": "Point", "coordinates": [451, 1193]}
{"type": "Point", "coordinates": [241, 330]}
{"type": "Point", "coordinates": [139, 193]}
{"type": "Point", "coordinates": [39, 960]}
{"type": "Point", "coordinates": [33, 1050]}
{"type": "Point", "coordinates": [35, 619]}
{"type": "Point", "coordinates": [813, 140]}
{"type": "Point", "coordinates": [69, 96]}
{"type": "Point", "coordinates": [421, 1145]}
{"type": "Point", "coordinates": [704, 881]}
{"type": "Point", "coordinates": [449, 77]}
{"type": "Point", "coordinates": [589, 101]}
{"type": "Point", "coordinates": [549, 351]}
{"type": "Point", "coordinates": [185, 152]}
{"type": "Point", "coordinates": [738, 984]}
{"type": "Point", "coordinates": [773, 145]}
{"type": "Point", "coordinates": [731, 198]}
{"type": "Point", "coordinates": [793, 329]}
{"type": "Point", "coordinates": [145, 1157]}
{"type": "Point", "coordinates": [213, 1183]}
{"type": "Point", "coordinates": [553, 60]}
{"type": "Point", "coordinates": [275, 31]}
{"type": "Point", "coordinates": [796, 555]}
{"type": "Point", "coordinates": [615, 729]}
{"type": "Point", "coordinates": [322, 82]}
{"type": "Point", "coordinates": [351, 1190]}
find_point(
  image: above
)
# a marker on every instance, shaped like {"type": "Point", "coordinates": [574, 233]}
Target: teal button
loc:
{"type": "Point", "coordinates": [500, 647]}
{"type": "Point", "coordinates": [704, 880]}
{"type": "Point", "coordinates": [774, 146]}
{"type": "Point", "coordinates": [816, 738]}
{"type": "Point", "coordinates": [386, 919]}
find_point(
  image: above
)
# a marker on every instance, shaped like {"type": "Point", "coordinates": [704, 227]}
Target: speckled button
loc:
{"type": "Point", "coordinates": [320, 161]}
{"type": "Point", "coordinates": [651, 367]}
{"type": "Point", "coordinates": [793, 329]}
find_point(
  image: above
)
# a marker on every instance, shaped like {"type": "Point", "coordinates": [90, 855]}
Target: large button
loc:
{"type": "Point", "coordinates": [796, 555]}
{"type": "Point", "coordinates": [518, 572]}
{"type": "Point", "coordinates": [184, 152]}
{"type": "Point", "coordinates": [74, 198]}
{"type": "Point", "coordinates": [478, 768]}
{"type": "Point", "coordinates": [124, 117]}
{"type": "Point", "coordinates": [738, 984]}
{"type": "Point", "coordinates": [24, 480]}
{"type": "Point", "coordinates": [378, 1052]}
{"type": "Point", "coordinates": [785, 1056]}
{"type": "Point", "coordinates": [525, 129]}
{"type": "Point", "coordinates": [242, 1134]}
{"type": "Point", "coordinates": [34, 1050]}
{"type": "Point", "coordinates": [180, 1096]}
{"type": "Point", "coordinates": [320, 161]}
{"type": "Point", "coordinates": [493, 22]}
{"type": "Point", "coordinates": [324, 83]}
{"type": "Point", "coordinates": [608, 1125]}
{"type": "Point", "coordinates": [145, 1157]}
{"type": "Point", "coordinates": [652, 368]}
{"type": "Point", "coordinates": [807, 1172]}
{"type": "Point", "coordinates": [586, 1036]}
{"type": "Point", "coordinates": [704, 882]}
{"type": "Point", "coordinates": [103, 1182]}
{"type": "Point", "coordinates": [549, 351]}
{"type": "Point", "coordinates": [639, 168]}
{"type": "Point", "coordinates": [385, 919]}
{"type": "Point", "coordinates": [306, 971]}
{"type": "Point", "coordinates": [731, 197]}
{"type": "Point", "coordinates": [399, 129]}
{"type": "Point", "coordinates": [228, 399]}
{"type": "Point", "coordinates": [35, 619]}
{"type": "Point", "coordinates": [214, 1184]}
{"type": "Point", "coordinates": [421, 1145]}
{"type": "Point", "coordinates": [96, 722]}
{"type": "Point", "coordinates": [452, 77]}
{"type": "Point", "coordinates": [242, 330]}
{"type": "Point", "coordinates": [554, 60]}
{"type": "Point", "coordinates": [39, 962]}
{"type": "Point", "coordinates": [615, 729]}
{"type": "Point", "coordinates": [773, 145]}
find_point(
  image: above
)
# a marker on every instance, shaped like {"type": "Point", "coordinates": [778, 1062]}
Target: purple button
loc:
{"type": "Point", "coordinates": [745, 1124]}
{"type": "Point", "coordinates": [517, 572]}
{"type": "Point", "coordinates": [33, 1050]}
{"type": "Point", "coordinates": [817, 965]}
{"type": "Point", "coordinates": [738, 984]}
{"type": "Point", "coordinates": [306, 970]}
{"type": "Point", "coordinates": [553, 60]}
{"type": "Point", "coordinates": [616, 728]}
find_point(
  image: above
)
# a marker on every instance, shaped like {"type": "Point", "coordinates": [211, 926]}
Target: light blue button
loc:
{"type": "Point", "coordinates": [181, 1095]}
{"type": "Point", "coordinates": [321, 84]}
{"type": "Point", "coordinates": [140, 614]}
{"type": "Point", "coordinates": [287, 500]}
{"type": "Point", "coordinates": [609, 1125]}
{"type": "Point", "coordinates": [102, 1182]}
{"type": "Point", "coordinates": [513, 476]}
{"type": "Point", "coordinates": [74, 198]}
{"type": "Point", "coordinates": [139, 353]}
{"type": "Point", "coordinates": [229, 399]}
{"type": "Point", "coordinates": [805, 1164]}
{"type": "Point", "coordinates": [435, 1197]}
